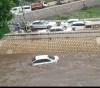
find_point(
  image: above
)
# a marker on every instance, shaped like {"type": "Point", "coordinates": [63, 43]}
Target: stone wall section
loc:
{"type": "Point", "coordinates": [78, 42]}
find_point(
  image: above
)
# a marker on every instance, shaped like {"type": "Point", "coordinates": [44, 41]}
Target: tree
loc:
{"type": "Point", "coordinates": [17, 2]}
{"type": "Point", "coordinates": [31, 0]}
{"type": "Point", "coordinates": [5, 15]}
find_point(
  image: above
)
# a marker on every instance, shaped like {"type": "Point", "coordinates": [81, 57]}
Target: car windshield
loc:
{"type": "Point", "coordinates": [51, 57]}
{"type": "Point", "coordinates": [33, 59]}
{"type": "Point", "coordinates": [46, 22]}
{"type": "Point", "coordinates": [71, 21]}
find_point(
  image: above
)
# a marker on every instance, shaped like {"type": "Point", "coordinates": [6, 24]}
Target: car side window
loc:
{"type": "Point", "coordinates": [71, 21]}
{"type": "Point", "coordinates": [52, 30]}
{"type": "Point", "coordinates": [82, 24]}
{"type": "Point", "coordinates": [75, 24]}
{"type": "Point", "coordinates": [36, 23]}
{"type": "Point", "coordinates": [45, 60]}
{"type": "Point", "coordinates": [58, 30]}
{"type": "Point", "coordinates": [78, 24]}
{"type": "Point", "coordinates": [40, 23]}
{"type": "Point", "coordinates": [38, 61]}
{"type": "Point", "coordinates": [15, 9]}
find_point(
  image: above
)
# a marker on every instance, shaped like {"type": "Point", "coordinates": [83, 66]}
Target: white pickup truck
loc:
{"type": "Point", "coordinates": [20, 9]}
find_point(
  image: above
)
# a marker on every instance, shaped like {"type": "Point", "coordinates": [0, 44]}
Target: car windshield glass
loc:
{"type": "Point", "coordinates": [46, 22]}
{"type": "Point", "coordinates": [33, 59]}
{"type": "Point", "coordinates": [71, 21]}
{"type": "Point", "coordinates": [51, 57]}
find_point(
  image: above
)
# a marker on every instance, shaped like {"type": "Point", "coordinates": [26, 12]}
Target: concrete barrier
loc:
{"type": "Point", "coordinates": [75, 42]}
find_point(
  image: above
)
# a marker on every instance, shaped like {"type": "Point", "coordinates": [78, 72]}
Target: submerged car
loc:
{"type": "Point", "coordinates": [44, 59]}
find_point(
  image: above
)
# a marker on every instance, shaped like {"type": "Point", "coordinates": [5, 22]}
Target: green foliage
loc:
{"type": "Point", "coordinates": [5, 15]}
{"type": "Point", "coordinates": [4, 30]}
{"type": "Point", "coordinates": [31, 0]}
{"type": "Point", "coordinates": [59, 17]}
{"type": "Point", "coordinates": [93, 12]}
{"type": "Point", "coordinates": [17, 2]}
{"type": "Point", "coordinates": [5, 6]}
{"type": "Point", "coordinates": [39, 0]}
{"type": "Point", "coordinates": [85, 8]}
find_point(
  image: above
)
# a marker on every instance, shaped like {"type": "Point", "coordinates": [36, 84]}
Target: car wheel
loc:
{"type": "Point", "coordinates": [49, 27]}
{"type": "Point", "coordinates": [33, 29]}
{"type": "Point", "coordinates": [73, 29]}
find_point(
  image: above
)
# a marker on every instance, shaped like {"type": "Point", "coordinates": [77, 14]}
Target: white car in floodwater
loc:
{"type": "Point", "coordinates": [44, 59]}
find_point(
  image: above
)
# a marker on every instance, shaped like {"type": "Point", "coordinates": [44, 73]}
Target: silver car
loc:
{"type": "Point", "coordinates": [69, 22]}
{"type": "Point", "coordinates": [57, 29]}
{"type": "Point", "coordinates": [41, 24]}
{"type": "Point", "coordinates": [78, 25]}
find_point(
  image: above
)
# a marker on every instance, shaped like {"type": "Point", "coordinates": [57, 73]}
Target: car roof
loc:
{"type": "Point", "coordinates": [26, 6]}
{"type": "Point", "coordinates": [73, 19]}
{"type": "Point", "coordinates": [17, 7]}
{"type": "Point", "coordinates": [41, 56]}
{"type": "Point", "coordinates": [79, 22]}
{"type": "Point", "coordinates": [56, 27]}
{"type": "Point", "coordinates": [38, 20]}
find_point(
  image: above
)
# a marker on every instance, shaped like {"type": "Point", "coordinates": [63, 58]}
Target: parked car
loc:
{"type": "Point", "coordinates": [78, 25]}
{"type": "Point", "coordinates": [44, 59]}
{"type": "Point", "coordinates": [43, 24]}
{"type": "Point", "coordinates": [16, 10]}
{"type": "Point", "coordinates": [21, 9]}
{"type": "Point", "coordinates": [68, 22]}
{"type": "Point", "coordinates": [60, 29]}
{"type": "Point", "coordinates": [26, 8]}
{"type": "Point", "coordinates": [57, 29]}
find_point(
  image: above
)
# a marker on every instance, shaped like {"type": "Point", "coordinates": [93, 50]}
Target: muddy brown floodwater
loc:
{"type": "Point", "coordinates": [70, 70]}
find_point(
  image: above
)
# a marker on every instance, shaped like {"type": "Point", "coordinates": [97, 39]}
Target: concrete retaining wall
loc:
{"type": "Point", "coordinates": [56, 10]}
{"type": "Point", "coordinates": [78, 42]}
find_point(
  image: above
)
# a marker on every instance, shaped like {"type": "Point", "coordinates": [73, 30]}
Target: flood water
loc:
{"type": "Point", "coordinates": [70, 70]}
